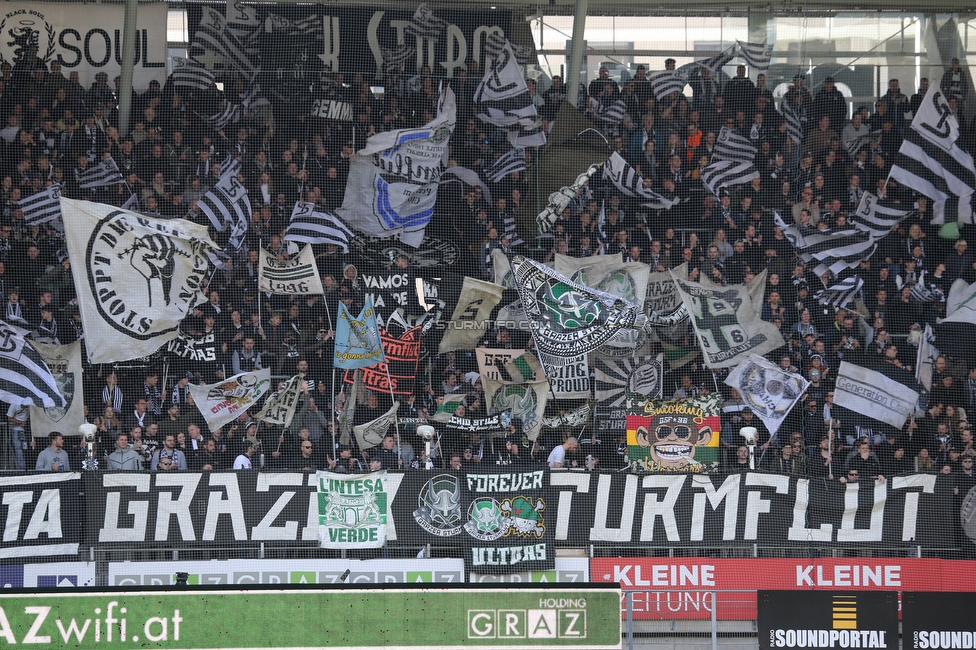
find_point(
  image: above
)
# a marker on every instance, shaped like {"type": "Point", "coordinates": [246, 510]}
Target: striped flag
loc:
{"type": "Point", "coordinates": [926, 292]}
{"type": "Point", "coordinates": [502, 99]}
{"type": "Point", "coordinates": [231, 166]}
{"type": "Point", "coordinates": [228, 208]}
{"type": "Point", "coordinates": [312, 227]}
{"type": "Point", "coordinates": [857, 143]}
{"type": "Point", "coordinates": [718, 61]}
{"type": "Point", "coordinates": [424, 24]}
{"type": "Point", "coordinates": [794, 126]}
{"type": "Point", "coordinates": [930, 162]}
{"type": "Point", "coordinates": [132, 203]}
{"type": "Point", "coordinates": [612, 114]}
{"type": "Point", "coordinates": [231, 113]}
{"type": "Point", "coordinates": [101, 175]}
{"type": "Point", "coordinates": [394, 57]}
{"type": "Point", "coordinates": [42, 207]}
{"type": "Point", "coordinates": [731, 146]}
{"type": "Point", "coordinates": [212, 35]}
{"type": "Point", "coordinates": [878, 219]}
{"type": "Point", "coordinates": [723, 173]}
{"type": "Point", "coordinates": [756, 55]}
{"type": "Point", "coordinates": [833, 251]}
{"type": "Point", "coordinates": [512, 160]}
{"type": "Point", "coordinates": [626, 179]}
{"type": "Point", "coordinates": [25, 380]}
{"type": "Point", "coordinates": [667, 82]}
{"type": "Point", "coordinates": [495, 43]}
{"type": "Point", "coordinates": [192, 75]}
{"type": "Point", "coordinates": [838, 295]}
{"type": "Point", "coordinates": [281, 26]}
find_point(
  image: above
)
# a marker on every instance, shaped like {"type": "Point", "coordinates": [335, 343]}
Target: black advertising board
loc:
{"type": "Point", "coordinates": [827, 619]}
{"type": "Point", "coordinates": [938, 619]}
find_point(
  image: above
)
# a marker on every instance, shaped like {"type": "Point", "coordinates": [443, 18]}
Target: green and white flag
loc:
{"type": "Point", "coordinates": [526, 402]}
{"type": "Point", "coordinates": [353, 509]}
{"type": "Point", "coordinates": [447, 407]}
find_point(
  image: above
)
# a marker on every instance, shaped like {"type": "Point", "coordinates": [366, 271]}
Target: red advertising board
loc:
{"type": "Point", "coordinates": [678, 588]}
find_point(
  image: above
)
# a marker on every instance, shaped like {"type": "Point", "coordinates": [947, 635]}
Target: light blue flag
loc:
{"type": "Point", "coordinates": [358, 343]}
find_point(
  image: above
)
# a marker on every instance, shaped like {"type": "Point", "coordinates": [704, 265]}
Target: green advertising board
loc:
{"type": "Point", "coordinates": [315, 618]}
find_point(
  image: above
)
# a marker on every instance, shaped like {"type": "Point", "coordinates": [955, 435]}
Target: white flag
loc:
{"type": "Point", "coordinates": [64, 361]}
{"type": "Point", "coordinates": [222, 402]}
{"type": "Point", "coordinates": [279, 407]}
{"type": "Point", "coordinates": [371, 434]}
{"type": "Point", "coordinates": [767, 389]}
{"type": "Point", "coordinates": [137, 277]}
{"type": "Point", "coordinates": [876, 395]}
{"type": "Point", "coordinates": [299, 275]}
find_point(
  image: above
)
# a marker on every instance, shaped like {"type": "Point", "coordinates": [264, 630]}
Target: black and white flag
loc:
{"type": "Point", "coordinates": [856, 143]}
{"type": "Point", "coordinates": [926, 292]}
{"type": "Point", "coordinates": [190, 74]}
{"type": "Point", "coordinates": [42, 207]}
{"type": "Point", "coordinates": [794, 124]}
{"type": "Point", "coordinates": [723, 173]}
{"type": "Point", "coordinates": [279, 407]}
{"type": "Point", "coordinates": [281, 26]}
{"type": "Point", "coordinates": [930, 162]}
{"type": "Point", "coordinates": [512, 160]}
{"type": "Point", "coordinates": [25, 380]}
{"type": "Point", "coordinates": [137, 277]}
{"type": "Point", "coordinates": [832, 251]}
{"type": "Point", "coordinates": [626, 179]}
{"type": "Point", "coordinates": [756, 55]}
{"type": "Point", "coordinates": [503, 100]}
{"type": "Point", "coordinates": [395, 57]}
{"type": "Point", "coordinates": [666, 82]}
{"type": "Point", "coordinates": [718, 61]}
{"type": "Point", "coordinates": [371, 433]}
{"type": "Point", "coordinates": [65, 364]}
{"type": "Point", "coordinates": [731, 146]}
{"type": "Point", "coordinates": [214, 36]}
{"type": "Point", "coordinates": [104, 174]}
{"type": "Point", "coordinates": [767, 389]}
{"type": "Point", "coordinates": [839, 294]}
{"type": "Point", "coordinates": [495, 43]}
{"type": "Point", "coordinates": [878, 219]}
{"type": "Point", "coordinates": [878, 390]}
{"type": "Point", "coordinates": [612, 114]}
{"type": "Point", "coordinates": [424, 24]}
{"type": "Point", "coordinates": [228, 208]}
{"type": "Point", "coordinates": [312, 227]}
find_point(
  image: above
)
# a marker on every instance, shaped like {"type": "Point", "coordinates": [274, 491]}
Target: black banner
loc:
{"type": "Point", "coordinates": [580, 508]}
{"type": "Point", "coordinates": [501, 521]}
{"type": "Point", "coordinates": [41, 515]}
{"type": "Point", "coordinates": [938, 620]}
{"type": "Point", "coordinates": [826, 619]}
{"type": "Point", "coordinates": [191, 349]}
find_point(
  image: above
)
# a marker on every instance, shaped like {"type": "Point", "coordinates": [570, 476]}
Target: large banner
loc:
{"type": "Point", "coordinates": [281, 572]}
{"type": "Point", "coordinates": [823, 619]}
{"type": "Point", "coordinates": [502, 521]}
{"type": "Point", "coordinates": [399, 372]}
{"type": "Point", "coordinates": [353, 510]}
{"type": "Point", "coordinates": [42, 515]}
{"type": "Point", "coordinates": [86, 38]}
{"type": "Point", "coordinates": [469, 322]}
{"type": "Point", "coordinates": [690, 588]}
{"type": "Point", "coordinates": [65, 364]}
{"type": "Point", "coordinates": [938, 619]}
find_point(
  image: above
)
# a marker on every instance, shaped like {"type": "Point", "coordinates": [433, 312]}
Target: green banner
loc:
{"type": "Point", "coordinates": [349, 617]}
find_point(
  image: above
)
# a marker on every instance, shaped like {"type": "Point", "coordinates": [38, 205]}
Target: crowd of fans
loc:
{"type": "Point", "coordinates": [146, 419]}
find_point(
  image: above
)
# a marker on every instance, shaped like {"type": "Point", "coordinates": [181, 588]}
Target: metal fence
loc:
{"type": "Point", "coordinates": [690, 619]}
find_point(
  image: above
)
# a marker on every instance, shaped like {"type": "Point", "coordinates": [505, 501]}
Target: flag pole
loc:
{"type": "Point", "coordinates": [396, 420]}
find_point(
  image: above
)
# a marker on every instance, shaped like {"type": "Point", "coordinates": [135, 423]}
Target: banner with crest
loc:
{"type": "Point", "coordinates": [222, 402]}
{"type": "Point", "coordinates": [66, 368]}
{"type": "Point", "coordinates": [526, 402]}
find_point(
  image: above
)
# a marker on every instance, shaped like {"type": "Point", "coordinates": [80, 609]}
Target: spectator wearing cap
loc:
{"type": "Point", "coordinates": [251, 447]}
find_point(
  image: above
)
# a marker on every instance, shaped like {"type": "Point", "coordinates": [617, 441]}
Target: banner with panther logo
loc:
{"type": "Point", "coordinates": [679, 435]}
{"type": "Point", "coordinates": [569, 319]}
{"type": "Point", "coordinates": [526, 402]}
{"type": "Point", "coordinates": [503, 520]}
{"type": "Point", "coordinates": [353, 509]}
{"type": "Point", "coordinates": [222, 402]}
{"type": "Point", "coordinates": [66, 368]}
{"type": "Point", "coordinates": [137, 277]}
{"type": "Point", "coordinates": [769, 390]}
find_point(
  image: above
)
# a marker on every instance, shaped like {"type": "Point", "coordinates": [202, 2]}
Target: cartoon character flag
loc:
{"type": "Point", "coordinates": [358, 343]}
{"type": "Point", "coordinates": [674, 435]}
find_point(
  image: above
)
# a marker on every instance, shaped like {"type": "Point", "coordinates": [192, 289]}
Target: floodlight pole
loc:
{"type": "Point", "coordinates": [128, 62]}
{"type": "Point", "coordinates": [576, 55]}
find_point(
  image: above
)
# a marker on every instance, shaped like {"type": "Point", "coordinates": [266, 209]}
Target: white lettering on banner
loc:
{"type": "Point", "coordinates": [505, 482]}
{"type": "Point", "coordinates": [666, 575]}
{"type": "Point", "coordinates": [88, 37]}
{"type": "Point", "coordinates": [827, 638]}
{"type": "Point", "coordinates": [669, 602]}
{"type": "Point", "coordinates": [507, 555]}
{"type": "Point", "coordinates": [849, 575]}
{"type": "Point", "coordinates": [944, 639]}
